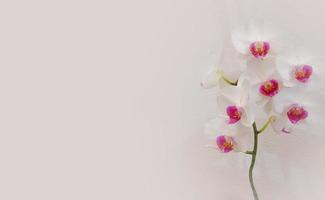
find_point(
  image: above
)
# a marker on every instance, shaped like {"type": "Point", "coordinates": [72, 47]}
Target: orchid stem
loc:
{"type": "Point", "coordinates": [221, 74]}
{"type": "Point", "coordinates": [229, 81]}
{"type": "Point", "coordinates": [265, 125]}
{"type": "Point", "coordinates": [253, 154]}
{"type": "Point", "coordinates": [249, 152]}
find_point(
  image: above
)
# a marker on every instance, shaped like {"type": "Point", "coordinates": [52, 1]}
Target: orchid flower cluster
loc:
{"type": "Point", "coordinates": [261, 85]}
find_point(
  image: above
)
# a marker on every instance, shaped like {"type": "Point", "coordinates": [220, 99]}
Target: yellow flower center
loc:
{"type": "Point", "coordinates": [268, 86]}
{"type": "Point", "coordinates": [300, 74]}
{"type": "Point", "coordinates": [228, 143]}
{"type": "Point", "coordinates": [259, 46]}
{"type": "Point", "coordinates": [296, 111]}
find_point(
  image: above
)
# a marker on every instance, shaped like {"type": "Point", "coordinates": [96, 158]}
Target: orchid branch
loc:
{"type": "Point", "coordinates": [265, 125]}
{"type": "Point", "coordinates": [272, 85]}
{"type": "Point", "coordinates": [221, 74]}
{"type": "Point", "coordinates": [229, 81]}
{"type": "Point", "coordinates": [253, 154]}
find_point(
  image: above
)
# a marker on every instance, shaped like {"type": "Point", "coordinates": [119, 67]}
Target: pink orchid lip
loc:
{"type": "Point", "coordinates": [296, 113]}
{"type": "Point", "coordinates": [269, 88]}
{"type": "Point", "coordinates": [225, 143]}
{"type": "Point", "coordinates": [259, 49]}
{"type": "Point", "coordinates": [302, 73]}
{"type": "Point", "coordinates": [234, 114]}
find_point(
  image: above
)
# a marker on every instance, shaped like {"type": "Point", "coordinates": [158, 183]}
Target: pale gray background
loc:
{"type": "Point", "coordinates": [100, 100]}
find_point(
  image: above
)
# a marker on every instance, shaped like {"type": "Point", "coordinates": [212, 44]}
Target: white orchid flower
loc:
{"type": "Point", "coordinates": [226, 138]}
{"type": "Point", "coordinates": [299, 70]}
{"type": "Point", "coordinates": [296, 109]}
{"type": "Point", "coordinates": [263, 93]}
{"type": "Point", "coordinates": [255, 40]}
{"type": "Point", "coordinates": [235, 104]}
{"type": "Point", "coordinates": [258, 49]}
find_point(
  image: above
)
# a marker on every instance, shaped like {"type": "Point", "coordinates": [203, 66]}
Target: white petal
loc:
{"type": "Point", "coordinates": [241, 40]}
{"type": "Point", "coordinates": [311, 100]}
{"type": "Point", "coordinates": [317, 64]}
{"type": "Point", "coordinates": [243, 83]}
{"type": "Point", "coordinates": [284, 68]}
{"type": "Point", "coordinates": [232, 93]}
{"type": "Point", "coordinates": [231, 61]}
{"type": "Point", "coordinates": [281, 101]}
{"type": "Point", "coordinates": [281, 125]}
{"type": "Point", "coordinates": [211, 80]}
{"type": "Point", "coordinates": [261, 68]}
{"type": "Point", "coordinates": [256, 97]}
{"type": "Point", "coordinates": [251, 77]}
{"type": "Point", "coordinates": [215, 127]}
{"type": "Point", "coordinates": [223, 103]}
{"type": "Point", "coordinates": [249, 114]}
{"type": "Point", "coordinates": [262, 101]}
{"type": "Point", "coordinates": [243, 86]}
{"type": "Point", "coordinates": [268, 107]}
{"type": "Point", "coordinates": [243, 137]}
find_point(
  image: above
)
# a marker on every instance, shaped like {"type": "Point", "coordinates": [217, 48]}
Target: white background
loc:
{"type": "Point", "coordinates": [101, 100]}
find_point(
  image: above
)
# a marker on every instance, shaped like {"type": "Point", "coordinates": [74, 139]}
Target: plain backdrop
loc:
{"type": "Point", "coordinates": [100, 100]}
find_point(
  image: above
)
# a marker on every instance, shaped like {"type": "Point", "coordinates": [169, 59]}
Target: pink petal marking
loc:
{"type": "Point", "coordinates": [259, 49]}
{"type": "Point", "coordinates": [269, 88]}
{"type": "Point", "coordinates": [225, 143]}
{"type": "Point", "coordinates": [302, 73]}
{"type": "Point", "coordinates": [286, 130]}
{"type": "Point", "coordinates": [296, 113]}
{"type": "Point", "coordinates": [234, 114]}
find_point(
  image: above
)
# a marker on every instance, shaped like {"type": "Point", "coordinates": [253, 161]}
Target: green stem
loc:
{"type": "Point", "coordinates": [229, 81]}
{"type": "Point", "coordinates": [253, 153]}
{"type": "Point", "coordinates": [221, 74]}
{"type": "Point", "coordinates": [249, 152]}
{"type": "Point", "coordinates": [265, 125]}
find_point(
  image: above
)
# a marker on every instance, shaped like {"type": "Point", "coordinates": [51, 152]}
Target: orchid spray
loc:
{"type": "Point", "coordinates": [258, 84]}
